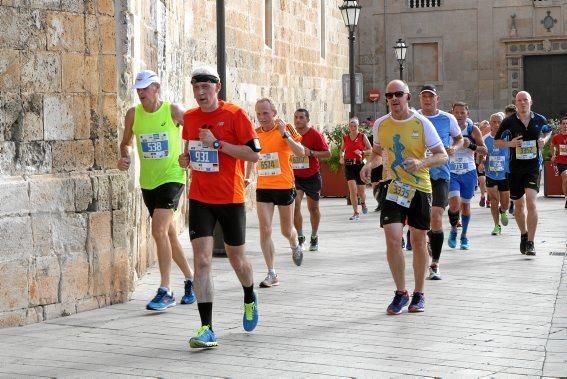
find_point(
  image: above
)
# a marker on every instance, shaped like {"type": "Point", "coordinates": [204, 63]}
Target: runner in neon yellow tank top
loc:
{"type": "Point", "coordinates": [154, 123]}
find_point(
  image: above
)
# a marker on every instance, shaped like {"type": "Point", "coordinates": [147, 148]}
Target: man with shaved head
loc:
{"type": "Point", "coordinates": [525, 133]}
{"type": "Point", "coordinates": [401, 139]}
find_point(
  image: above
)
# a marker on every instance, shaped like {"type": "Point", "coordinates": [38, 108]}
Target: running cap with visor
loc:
{"type": "Point", "coordinates": [428, 88]}
{"type": "Point", "coordinates": [145, 78]}
{"type": "Point", "coordinates": [205, 74]}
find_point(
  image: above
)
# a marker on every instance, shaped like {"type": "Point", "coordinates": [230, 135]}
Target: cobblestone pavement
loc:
{"type": "Point", "coordinates": [496, 313]}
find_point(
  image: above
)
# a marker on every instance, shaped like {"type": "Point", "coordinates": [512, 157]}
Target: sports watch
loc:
{"type": "Point", "coordinates": [285, 135]}
{"type": "Point", "coordinates": [217, 144]}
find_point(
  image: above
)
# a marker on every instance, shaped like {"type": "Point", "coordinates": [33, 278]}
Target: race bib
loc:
{"type": "Point", "coordinates": [562, 149]}
{"type": "Point", "coordinates": [496, 163]}
{"type": "Point", "coordinates": [154, 146]}
{"type": "Point", "coordinates": [205, 159]}
{"type": "Point", "coordinates": [299, 163]}
{"type": "Point", "coordinates": [528, 150]}
{"type": "Point", "coordinates": [269, 165]}
{"type": "Point", "coordinates": [400, 193]}
{"type": "Point", "coordinates": [459, 165]}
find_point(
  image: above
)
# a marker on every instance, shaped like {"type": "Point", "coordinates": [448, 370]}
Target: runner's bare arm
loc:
{"type": "Point", "coordinates": [177, 112]}
{"type": "Point", "coordinates": [367, 147]}
{"type": "Point", "coordinates": [242, 152]}
{"type": "Point", "coordinates": [126, 144]}
{"type": "Point", "coordinates": [480, 146]}
{"type": "Point", "coordinates": [374, 161]}
{"type": "Point", "coordinates": [438, 157]}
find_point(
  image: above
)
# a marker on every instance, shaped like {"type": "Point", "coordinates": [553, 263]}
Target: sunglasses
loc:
{"type": "Point", "coordinates": [390, 95]}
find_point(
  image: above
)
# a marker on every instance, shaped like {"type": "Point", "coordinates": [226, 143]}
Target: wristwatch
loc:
{"type": "Point", "coordinates": [217, 144]}
{"type": "Point", "coordinates": [285, 135]}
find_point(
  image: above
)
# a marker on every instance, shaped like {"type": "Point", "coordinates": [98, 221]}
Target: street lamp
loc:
{"type": "Point", "coordinates": [400, 49]}
{"type": "Point", "coordinates": [350, 10]}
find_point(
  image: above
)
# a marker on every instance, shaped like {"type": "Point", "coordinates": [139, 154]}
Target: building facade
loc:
{"type": "Point", "coordinates": [481, 52]}
{"type": "Point", "coordinates": [74, 233]}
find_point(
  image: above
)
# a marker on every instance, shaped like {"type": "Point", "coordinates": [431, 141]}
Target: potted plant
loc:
{"type": "Point", "coordinates": [551, 182]}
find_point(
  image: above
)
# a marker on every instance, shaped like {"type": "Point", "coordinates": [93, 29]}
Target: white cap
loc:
{"type": "Point", "coordinates": [205, 73]}
{"type": "Point", "coordinates": [145, 78]}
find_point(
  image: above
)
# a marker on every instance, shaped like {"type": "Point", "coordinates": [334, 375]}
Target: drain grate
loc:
{"type": "Point", "coordinates": [558, 253]}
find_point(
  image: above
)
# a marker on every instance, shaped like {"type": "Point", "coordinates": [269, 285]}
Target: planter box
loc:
{"type": "Point", "coordinates": [334, 184]}
{"type": "Point", "coordinates": [551, 183]}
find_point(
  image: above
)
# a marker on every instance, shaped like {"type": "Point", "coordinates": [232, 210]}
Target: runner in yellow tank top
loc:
{"type": "Point", "coordinates": [154, 123]}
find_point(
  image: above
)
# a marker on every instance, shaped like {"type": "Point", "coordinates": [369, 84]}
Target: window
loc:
{"type": "Point", "coordinates": [426, 65]}
{"type": "Point", "coordinates": [424, 3]}
{"type": "Point", "coordinates": [268, 23]}
{"type": "Point", "coordinates": [323, 32]}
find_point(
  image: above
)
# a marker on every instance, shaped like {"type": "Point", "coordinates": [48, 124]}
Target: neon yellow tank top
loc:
{"type": "Point", "coordinates": [158, 141]}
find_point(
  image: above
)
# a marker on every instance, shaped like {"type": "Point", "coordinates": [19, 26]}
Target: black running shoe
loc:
{"type": "Point", "coordinates": [523, 243]}
{"type": "Point", "coordinates": [301, 239]}
{"type": "Point", "coordinates": [530, 248]}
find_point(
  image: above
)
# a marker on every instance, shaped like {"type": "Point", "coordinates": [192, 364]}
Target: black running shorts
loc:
{"type": "Point", "coordinates": [440, 194]}
{"type": "Point", "coordinates": [165, 196]}
{"type": "Point", "coordinates": [276, 196]}
{"type": "Point", "coordinates": [231, 217]}
{"type": "Point", "coordinates": [418, 214]}
{"type": "Point", "coordinates": [520, 181]}
{"type": "Point", "coordinates": [311, 185]}
{"type": "Point", "coordinates": [502, 185]}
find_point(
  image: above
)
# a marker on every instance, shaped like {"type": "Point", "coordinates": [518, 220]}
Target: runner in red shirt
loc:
{"type": "Point", "coordinates": [220, 137]}
{"type": "Point", "coordinates": [559, 154]}
{"type": "Point", "coordinates": [307, 176]}
{"type": "Point", "coordinates": [353, 150]}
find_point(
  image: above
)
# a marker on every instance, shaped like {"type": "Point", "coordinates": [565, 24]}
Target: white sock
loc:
{"type": "Point", "coordinates": [272, 272]}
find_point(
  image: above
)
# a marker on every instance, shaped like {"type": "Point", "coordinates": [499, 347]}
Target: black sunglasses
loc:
{"type": "Point", "coordinates": [390, 95]}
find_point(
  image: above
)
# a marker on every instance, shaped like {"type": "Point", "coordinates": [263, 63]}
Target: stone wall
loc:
{"type": "Point", "coordinates": [73, 236]}
{"type": "Point", "coordinates": [73, 230]}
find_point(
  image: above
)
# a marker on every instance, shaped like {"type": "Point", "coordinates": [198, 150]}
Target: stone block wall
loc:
{"type": "Point", "coordinates": [72, 233]}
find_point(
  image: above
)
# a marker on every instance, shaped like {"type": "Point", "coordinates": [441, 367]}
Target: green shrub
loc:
{"type": "Point", "coordinates": [335, 139]}
{"type": "Point", "coordinates": [546, 152]}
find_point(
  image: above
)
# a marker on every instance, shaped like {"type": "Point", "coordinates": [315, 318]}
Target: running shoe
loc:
{"type": "Point", "coordinates": [511, 209]}
{"type": "Point", "coordinates": [189, 296]}
{"type": "Point", "coordinates": [161, 301]}
{"type": "Point", "coordinates": [205, 338]}
{"type": "Point", "coordinates": [354, 217]}
{"type": "Point", "coordinates": [250, 317]}
{"type": "Point", "coordinates": [270, 281]}
{"type": "Point", "coordinates": [497, 230]}
{"type": "Point", "coordinates": [434, 273]}
{"type": "Point", "coordinates": [487, 203]}
{"type": "Point", "coordinates": [364, 208]}
{"type": "Point", "coordinates": [417, 303]}
{"type": "Point", "coordinates": [482, 201]}
{"type": "Point", "coordinates": [452, 241]}
{"type": "Point", "coordinates": [301, 239]}
{"type": "Point", "coordinates": [403, 243]}
{"type": "Point", "coordinates": [408, 245]}
{"type": "Point", "coordinates": [566, 202]}
{"type": "Point", "coordinates": [530, 248]}
{"type": "Point", "coordinates": [465, 243]}
{"type": "Point", "coordinates": [297, 255]}
{"type": "Point", "coordinates": [314, 244]}
{"type": "Point", "coordinates": [401, 299]}
{"type": "Point", "coordinates": [523, 242]}
{"type": "Point", "coordinates": [504, 217]}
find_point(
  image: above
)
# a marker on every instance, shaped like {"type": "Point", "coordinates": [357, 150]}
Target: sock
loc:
{"type": "Point", "coordinates": [272, 271]}
{"type": "Point", "coordinates": [166, 290]}
{"type": "Point", "coordinates": [453, 218]}
{"type": "Point", "coordinates": [436, 242]}
{"type": "Point", "coordinates": [249, 296]}
{"type": "Point", "coordinates": [466, 219]}
{"type": "Point", "coordinates": [206, 313]}
{"type": "Point", "coordinates": [313, 235]}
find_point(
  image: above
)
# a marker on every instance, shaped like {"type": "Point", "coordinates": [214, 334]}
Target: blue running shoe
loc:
{"type": "Point", "coordinates": [250, 318]}
{"type": "Point", "coordinates": [189, 297]}
{"type": "Point", "coordinates": [452, 241]}
{"type": "Point", "coordinates": [465, 244]}
{"type": "Point", "coordinates": [161, 301]}
{"type": "Point", "coordinates": [401, 299]}
{"type": "Point", "coordinates": [205, 338]}
{"type": "Point", "coordinates": [417, 303]}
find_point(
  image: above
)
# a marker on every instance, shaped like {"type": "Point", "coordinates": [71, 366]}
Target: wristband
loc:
{"type": "Point", "coordinates": [311, 153]}
{"type": "Point", "coordinates": [285, 135]}
{"type": "Point", "coordinates": [472, 146]}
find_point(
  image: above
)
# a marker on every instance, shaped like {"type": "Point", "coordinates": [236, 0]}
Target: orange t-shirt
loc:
{"type": "Point", "coordinates": [274, 167]}
{"type": "Point", "coordinates": [224, 182]}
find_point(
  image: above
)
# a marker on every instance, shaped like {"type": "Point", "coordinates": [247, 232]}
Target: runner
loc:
{"type": "Point", "coordinates": [402, 138]}
{"type": "Point", "coordinates": [509, 111]}
{"type": "Point", "coordinates": [463, 175]}
{"type": "Point", "coordinates": [220, 138]}
{"type": "Point", "coordinates": [354, 148]}
{"type": "Point", "coordinates": [155, 124]}
{"type": "Point", "coordinates": [275, 185]}
{"type": "Point", "coordinates": [496, 167]}
{"type": "Point", "coordinates": [527, 133]}
{"type": "Point", "coordinates": [559, 154]}
{"type": "Point", "coordinates": [484, 127]}
{"type": "Point", "coordinates": [450, 134]}
{"type": "Point", "coordinates": [307, 176]}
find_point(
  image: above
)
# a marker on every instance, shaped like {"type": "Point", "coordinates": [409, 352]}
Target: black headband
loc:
{"type": "Point", "coordinates": [204, 78]}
